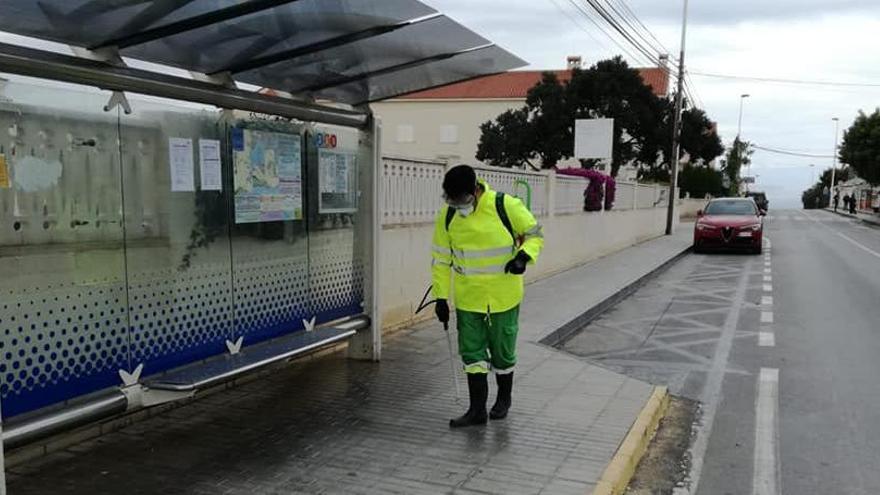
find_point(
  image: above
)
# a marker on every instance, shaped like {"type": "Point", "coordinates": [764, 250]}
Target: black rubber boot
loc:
{"type": "Point", "coordinates": [478, 387]}
{"type": "Point", "coordinates": [503, 400]}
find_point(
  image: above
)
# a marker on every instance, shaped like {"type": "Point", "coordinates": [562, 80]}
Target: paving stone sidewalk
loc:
{"type": "Point", "coordinates": [863, 215]}
{"type": "Point", "coordinates": [330, 425]}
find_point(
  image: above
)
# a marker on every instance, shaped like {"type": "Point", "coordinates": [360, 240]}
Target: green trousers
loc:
{"type": "Point", "coordinates": [488, 340]}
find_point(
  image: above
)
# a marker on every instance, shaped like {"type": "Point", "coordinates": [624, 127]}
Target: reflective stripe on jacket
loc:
{"type": "Point", "coordinates": [474, 251]}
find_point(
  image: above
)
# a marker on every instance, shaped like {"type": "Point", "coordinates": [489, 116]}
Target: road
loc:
{"type": "Point", "coordinates": [781, 350]}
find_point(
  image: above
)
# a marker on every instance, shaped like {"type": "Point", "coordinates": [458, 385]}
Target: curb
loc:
{"type": "Point", "coordinates": [848, 215]}
{"type": "Point", "coordinates": [566, 331]}
{"type": "Point", "coordinates": [620, 470]}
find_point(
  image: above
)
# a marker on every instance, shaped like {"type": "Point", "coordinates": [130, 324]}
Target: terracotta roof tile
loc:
{"type": "Point", "coordinates": [516, 84]}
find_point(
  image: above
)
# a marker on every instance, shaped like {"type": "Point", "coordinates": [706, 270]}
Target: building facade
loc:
{"type": "Point", "coordinates": [444, 123]}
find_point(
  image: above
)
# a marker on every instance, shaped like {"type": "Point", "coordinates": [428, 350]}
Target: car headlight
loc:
{"type": "Point", "coordinates": [754, 227]}
{"type": "Point", "coordinates": [705, 226]}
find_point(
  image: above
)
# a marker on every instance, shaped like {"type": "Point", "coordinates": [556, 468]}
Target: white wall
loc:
{"type": "Point", "coordinates": [688, 208]}
{"type": "Point", "coordinates": [410, 198]}
{"type": "Point", "coordinates": [570, 240]}
{"type": "Point", "coordinates": [428, 117]}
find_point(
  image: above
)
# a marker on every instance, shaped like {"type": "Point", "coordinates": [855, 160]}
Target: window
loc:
{"type": "Point", "coordinates": [405, 133]}
{"type": "Point", "coordinates": [449, 134]}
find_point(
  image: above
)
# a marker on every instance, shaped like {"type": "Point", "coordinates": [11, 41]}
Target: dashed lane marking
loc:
{"type": "Point", "coordinates": [766, 339]}
{"type": "Point", "coordinates": [765, 475]}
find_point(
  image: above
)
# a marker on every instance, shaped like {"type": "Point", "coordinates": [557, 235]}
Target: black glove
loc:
{"type": "Point", "coordinates": [517, 265]}
{"type": "Point", "coordinates": [441, 309]}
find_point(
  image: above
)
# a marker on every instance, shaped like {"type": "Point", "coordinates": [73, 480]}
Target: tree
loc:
{"type": "Point", "coordinates": [551, 134]}
{"type": "Point", "coordinates": [699, 137]}
{"type": "Point", "coordinates": [842, 175]}
{"type": "Point", "coordinates": [738, 156]}
{"type": "Point", "coordinates": [508, 141]}
{"type": "Point", "coordinates": [813, 198]}
{"type": "Point", "coordinates": [861, 147]}
{"type": "Point", "coordinates": [699, 141]}
{"type": "Point", "coordinates": [609, 89]}
{"type": "Point", "coordinates": [698, 181]}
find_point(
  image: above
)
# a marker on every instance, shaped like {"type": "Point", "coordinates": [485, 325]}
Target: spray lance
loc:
{"type": "Point", "coordinates": [452, 357]}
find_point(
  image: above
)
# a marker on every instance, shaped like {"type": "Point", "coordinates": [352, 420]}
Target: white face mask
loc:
{"type": "Point", "coordinates": [464, 212]}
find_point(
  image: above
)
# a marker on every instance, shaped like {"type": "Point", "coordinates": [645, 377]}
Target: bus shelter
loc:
{"type": "Point", "coordinates": [164, 226]}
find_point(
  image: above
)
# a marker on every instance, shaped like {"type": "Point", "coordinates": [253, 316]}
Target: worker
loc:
{"type": "Point", "coordinates": [483, 240]}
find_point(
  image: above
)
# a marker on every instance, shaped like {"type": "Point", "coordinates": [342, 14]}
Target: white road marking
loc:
{"type": "Point", "coordinates": [766, 317]}
{"type": "Point", "coordinates": [765, 475]}
{"type": "Point", "coordinates": [766, 339]}
{"type": "Point", "coordinates": [767, 270]}
{"type": "Point", "coordinates": [766, 300]}
{"type": "Point", "coordinates": [768, 288]}
{"type": "Point", "coordinates": [767, 263]}
{"type": "Point", "coordinates": [711, 395]}
{"type": "Point", "coordinates": [860, 245]}
{"type": "Point", "coordinates": [768, 278]}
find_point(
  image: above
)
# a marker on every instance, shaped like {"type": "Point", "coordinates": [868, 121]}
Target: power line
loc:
{"type": "Point", "coordinates": [787, 81]}
{"type": "Point", "coordinates": [580, 26]}
{"type": "Point", "coordinates": [590, 18]}
{"type": "Point", "coordinates": [604, 14]}
{"type": "Point", "coordinates": [636, 18]}
{"type": "Point", "coordinates": [626, 20]}
{"type": "Point", "coordinates": [802, 154]}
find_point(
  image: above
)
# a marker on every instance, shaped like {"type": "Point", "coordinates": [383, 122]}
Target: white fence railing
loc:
{"type": "Point", "coordinates": [411, 190]}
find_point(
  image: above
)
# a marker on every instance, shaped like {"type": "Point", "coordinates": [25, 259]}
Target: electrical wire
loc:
{"type": "Point", "coordinates": [786, 81]}
{"type": "Point", "coordinates": [581, 26]}
{"type": "Point", "coordinates": [802, 154]}
{"type": "Point", "coordinates": [599, 8]}
{"type": "Point", "coordinates": [584, 13]}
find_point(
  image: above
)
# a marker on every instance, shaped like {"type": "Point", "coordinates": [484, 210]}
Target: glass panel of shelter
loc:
{"type": "Point", "coordinates": [63, 318]}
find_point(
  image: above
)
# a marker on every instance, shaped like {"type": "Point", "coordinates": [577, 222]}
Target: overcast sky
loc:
{"type": "Point", "coordinates": [830, 40]}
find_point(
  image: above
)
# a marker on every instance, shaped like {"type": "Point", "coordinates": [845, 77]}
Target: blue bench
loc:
{"type": "Point", "coordinates": [219, 369]}
{"type": "Point", "coordinates": [184, 380]}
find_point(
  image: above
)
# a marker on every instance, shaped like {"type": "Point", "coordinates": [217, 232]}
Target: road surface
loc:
{"type": "Point", "coordinates": [783, 351]}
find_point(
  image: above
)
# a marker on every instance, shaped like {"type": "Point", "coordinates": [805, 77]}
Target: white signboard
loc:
{"type": "Point", "coordinates": [593, 138]}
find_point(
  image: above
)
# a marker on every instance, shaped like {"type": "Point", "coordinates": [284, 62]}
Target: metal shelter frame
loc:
{"type": "Point", "coordinates": [101, 65]}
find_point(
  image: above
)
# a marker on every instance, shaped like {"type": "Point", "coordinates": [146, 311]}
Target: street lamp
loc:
{"type": "Point", "coordinates": [813, 176]}
{"type": "Point", "coordinates": [742, 98]}
{"type": "Point", "coordinates": [834, 158]}
{"type": "Point", "coordinates": [736, 143]}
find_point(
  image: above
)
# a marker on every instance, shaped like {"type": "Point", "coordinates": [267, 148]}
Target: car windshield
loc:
{"type": "Point", "coordinates": [730, 208]}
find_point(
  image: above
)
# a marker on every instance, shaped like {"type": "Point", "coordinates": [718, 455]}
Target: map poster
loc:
{"type": "Point", "coordinates": [268, 176]}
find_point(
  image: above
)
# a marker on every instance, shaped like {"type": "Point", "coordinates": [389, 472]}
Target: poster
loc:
{"type": "Point", "coordinates": [268, 176]}
{"type": "Point", "coordinates": [4, 173]}
{"type": "Point", "coordinates": [337, 177]}
{"type": "Point", "coordinates": [180, 152]}
{"type": "Point", "coordinates": [210, 169]}
{"type": "Point", "coordinates": [335, 167]}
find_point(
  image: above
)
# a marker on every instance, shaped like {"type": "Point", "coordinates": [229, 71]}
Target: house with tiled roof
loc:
{"type": "Point", "coordinates": [444, 122]}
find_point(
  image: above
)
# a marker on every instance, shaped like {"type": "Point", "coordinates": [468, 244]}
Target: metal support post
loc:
{"type": "Point", "coordinates": [676, 126]}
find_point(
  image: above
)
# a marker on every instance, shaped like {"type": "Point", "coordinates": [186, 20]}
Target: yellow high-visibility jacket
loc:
{"type": "Point", "coordinates": [475, 249]}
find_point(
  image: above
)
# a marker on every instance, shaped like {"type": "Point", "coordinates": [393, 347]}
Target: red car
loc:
{"type": "Point", "coordinates": [730, 223]}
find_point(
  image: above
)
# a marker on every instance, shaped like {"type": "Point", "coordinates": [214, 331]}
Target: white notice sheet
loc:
{"type": "Point", "coordinates": [209, 165]}
{"type": "Point", "coordinates": [180, 152]}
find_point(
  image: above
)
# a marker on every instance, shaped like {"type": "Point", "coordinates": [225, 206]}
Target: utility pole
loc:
{"type": "Point", "coordinates": [676, 126]}
{"type": "Point", "coordinates": [834, 159]}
